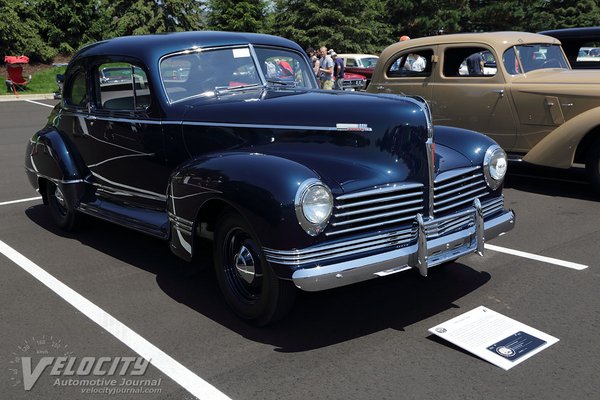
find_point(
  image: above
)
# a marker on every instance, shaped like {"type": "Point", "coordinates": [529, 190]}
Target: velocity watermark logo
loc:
{"type": "Point", "coordinates": [95, 375]}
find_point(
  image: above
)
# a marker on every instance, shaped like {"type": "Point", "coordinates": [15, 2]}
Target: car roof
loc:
{"type": "Point", "coordinates": [498, 40]}
{"type": "Point", "coordinates": [151, 47]}
{"type": "Point", "coordinates": [574, 33]}
{"type": "Point", "coordinates": [356, 55]}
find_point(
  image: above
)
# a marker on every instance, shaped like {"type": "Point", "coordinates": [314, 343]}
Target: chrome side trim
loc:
{"type": "Point", "coordinates": [132, 189]}
{"type": "Point", "coordinates": [54, 180]}
{"type": "Point", "coordinates": [254, 126]}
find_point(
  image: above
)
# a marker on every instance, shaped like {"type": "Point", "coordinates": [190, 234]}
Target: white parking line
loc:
{"type": "Point", "coordinates": [5, 203]}
{"type": "Point", "coordinates": [165, 363]}
{"type": "Point", "coordinates": [531, 256]}
{"type": "Point", "coordinates": [41, 104]}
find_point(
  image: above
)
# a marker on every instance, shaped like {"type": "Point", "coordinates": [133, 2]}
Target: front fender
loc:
{"type": "Point", "coordinates": [469, 143]}
{"type": "Point", "coordinates": [558, 148]}
{"type": "Point", "coordinates": [260, 187]}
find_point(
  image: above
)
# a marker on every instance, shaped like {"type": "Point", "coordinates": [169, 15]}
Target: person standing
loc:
{"type": "Point", "coordinates": [325, 69]}
{"type": "Point", "coordinates": [475, 64]}
{"type": "Point", "coordinates": [312, 54]}
{"type": "Point", "coordinates": [338, 71]}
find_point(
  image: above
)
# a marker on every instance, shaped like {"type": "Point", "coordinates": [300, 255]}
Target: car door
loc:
{"type": "Point", "coordinates": [410, 71]}
{"type": "Point", "coordinates": [471, 92]}
{"type": "Point", "coordinates": [123, 141]}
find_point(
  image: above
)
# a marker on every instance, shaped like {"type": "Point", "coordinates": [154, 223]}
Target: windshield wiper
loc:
{"type": "Point", "coordinates": [282, 82]}
{"type": "Point", "coordinates": [241, 88]}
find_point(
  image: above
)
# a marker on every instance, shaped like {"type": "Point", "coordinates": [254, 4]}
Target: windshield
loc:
{"type": "Point", "coordinates": [533, 56]}
{"type": "Point", "coordinates": [231, 70]}
{"type": "Point", "coordinates": [368, 62]}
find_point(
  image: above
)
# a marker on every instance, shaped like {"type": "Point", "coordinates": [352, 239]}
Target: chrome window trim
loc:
{"type": "Point", "coordinates": [194, 49]}
{"type": "Point", "coordinates": [253, 56]}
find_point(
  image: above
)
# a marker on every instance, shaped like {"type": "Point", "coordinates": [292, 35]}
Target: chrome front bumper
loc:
{"type": "Point", "coordinates": [427, 252]}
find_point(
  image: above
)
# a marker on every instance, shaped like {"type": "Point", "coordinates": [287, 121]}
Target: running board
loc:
{"type": "Point", "coordinates": [153, 223]}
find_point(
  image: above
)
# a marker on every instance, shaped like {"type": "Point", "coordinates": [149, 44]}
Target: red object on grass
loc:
{"type": "Point", "coordinates": [14, 68]}
{"type": "Point", "coordinates": [16, 59]}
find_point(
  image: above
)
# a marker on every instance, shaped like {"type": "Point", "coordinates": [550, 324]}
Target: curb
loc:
{"type": "Point", "coordinates": [12, 97]}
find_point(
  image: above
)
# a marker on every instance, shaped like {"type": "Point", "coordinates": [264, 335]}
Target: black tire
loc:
{"type": "Point", "coordinates": [249, 285]}
{"type": "Point", "coordinates": [592, 165]}
{"type": "Point", "coordinates": [63, 213]}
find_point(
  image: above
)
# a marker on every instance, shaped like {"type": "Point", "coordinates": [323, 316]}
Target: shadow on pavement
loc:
{"type": "Point", "coordinates": [569, 183]}
{"type": "Point", "coordinates": [317, 320]}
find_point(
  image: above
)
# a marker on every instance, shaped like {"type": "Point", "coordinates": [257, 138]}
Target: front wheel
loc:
{"type": "Point", "coordinates": [247, 281]}
{"type": "Point", "coordinates": [592, 165]}
{"type": "Point", "coordinates": [63, 214]}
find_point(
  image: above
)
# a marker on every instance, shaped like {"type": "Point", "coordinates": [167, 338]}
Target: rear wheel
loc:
{"type": "Point", "coordinates": [592, 165]}
{"type": "Point", "coordinates": [247, 281]}
{"type": "Point", "coordinates": [63, 214]}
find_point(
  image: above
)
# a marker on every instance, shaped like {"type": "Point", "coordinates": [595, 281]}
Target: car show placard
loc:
{"type": "Point", "coordinates": [494, 337]}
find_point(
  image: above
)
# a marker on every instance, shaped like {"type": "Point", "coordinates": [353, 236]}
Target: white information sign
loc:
{"type": "Point", "coordinates": [494, 337]}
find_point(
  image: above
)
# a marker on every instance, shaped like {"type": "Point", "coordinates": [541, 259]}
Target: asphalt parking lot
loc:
{"type": "Point", "coordinates": [367, 341]}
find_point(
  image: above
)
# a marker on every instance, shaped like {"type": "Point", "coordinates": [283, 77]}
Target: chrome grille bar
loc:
{"type": "Point", "coordinates": [455, 189]}
{"type": "Point", "coordinates": [376, 216]}
{"type": "Point", "coordinates": [322, 254]}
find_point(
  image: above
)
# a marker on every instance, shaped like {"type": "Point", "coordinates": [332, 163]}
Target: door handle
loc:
{"type": "Point", "coordinates": [499, 91]}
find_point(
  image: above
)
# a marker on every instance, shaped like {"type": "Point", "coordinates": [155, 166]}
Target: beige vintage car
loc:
{"type": "Point", "coordinates": [515, 87]}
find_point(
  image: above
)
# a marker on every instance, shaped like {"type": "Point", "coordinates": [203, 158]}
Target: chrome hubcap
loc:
{"type": "Point", "coordinates": [60, 198]}
{"type": "Point", "coordinates": [244, 264]}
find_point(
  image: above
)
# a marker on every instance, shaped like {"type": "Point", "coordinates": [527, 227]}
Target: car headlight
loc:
{"type": "Point", "coordinates": [313, 203]}
{"type": "Point", "coordinates": [494, 166]}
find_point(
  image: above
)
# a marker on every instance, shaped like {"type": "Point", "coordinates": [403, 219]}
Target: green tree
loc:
{"type": "Point", "coordinates": [238, 16]}
{"type": "Point", "coordinates": [356, 26]}
{"type": "Point", "coordinates": [508, 15]}
{"type": "Point", "coordinates": [554, 14]}
{"type": "Point", "coordinates": [65, 24]}
{"type": "Point", "coordinates": [142, 17]}
{"type": "Point", "coordinates": [20, 33]}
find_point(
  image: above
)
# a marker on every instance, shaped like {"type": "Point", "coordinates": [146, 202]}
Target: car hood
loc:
{"type": "Point", "coordinates": [353, 140]}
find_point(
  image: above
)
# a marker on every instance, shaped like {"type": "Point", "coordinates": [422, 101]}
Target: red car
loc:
{"type": "Point", "coordinates": [362, 64]}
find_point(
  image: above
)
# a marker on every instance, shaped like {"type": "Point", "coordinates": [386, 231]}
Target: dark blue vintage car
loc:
{"type": "Point", "coordinates": [224, 137]}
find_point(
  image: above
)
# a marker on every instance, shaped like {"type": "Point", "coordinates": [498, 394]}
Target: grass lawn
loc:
{"type": "Point", "coordinates": [42, 82]}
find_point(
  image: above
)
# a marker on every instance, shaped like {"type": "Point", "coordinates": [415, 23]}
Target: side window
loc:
{"type": "Point", "coordinates": [511, 62]}
{"type": "Point", "coordinates": [589, 54]}
{"type": "Point", "coordinates": [417, 63]}
{"type": "Point", "coordinates": [76, 92]}
{"type": "Point", "coordinates": [469, 62]}
{"type": "Point", "coordinates": [122, 86]}
{"type": "Point", "coordinates": [351, 62]}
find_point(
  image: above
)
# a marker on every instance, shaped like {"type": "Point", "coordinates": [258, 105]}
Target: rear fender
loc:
{"type": "Point", "coordinates": [50, 157]}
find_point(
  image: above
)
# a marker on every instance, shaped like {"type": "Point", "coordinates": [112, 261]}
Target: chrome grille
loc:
{"type": "Point", "coordinates": [457, 189]}
{"type": "Point", "coordinates": [379, 207]}
{"type": "Point", "coordinates": [462, 220]}
{"type": "Point", "coordinates": [325, 253]}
